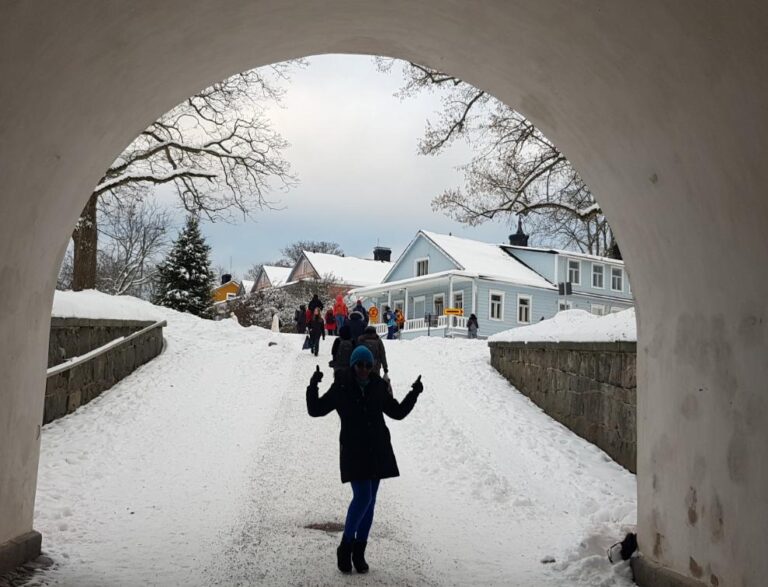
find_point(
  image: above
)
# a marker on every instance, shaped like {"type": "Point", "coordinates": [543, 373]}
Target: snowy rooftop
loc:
{"type": "Point", "coordinates": [513, 248]}
{"type": "Point", "coordinates": [276, 275]}
{"type": "Point", "coordinates": [349, 270]}
{"type": "Point", "coordinates": [575, 326]}
{"type": "Point", "coordinates": [487, 260]}
{"type": "Point", "coordinates": [248, 284]}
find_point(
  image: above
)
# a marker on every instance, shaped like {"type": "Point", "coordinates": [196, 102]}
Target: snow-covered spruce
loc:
{"type": "Point", "coordinates": [185, 277]}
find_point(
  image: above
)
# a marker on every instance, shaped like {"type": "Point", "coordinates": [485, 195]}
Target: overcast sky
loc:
{"type": "Point", "coordinates": [362, 182]}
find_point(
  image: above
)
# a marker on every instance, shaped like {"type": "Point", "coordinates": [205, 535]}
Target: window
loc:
{"type": "Point", "coordinates": [458, 300]}
{"type": "Point", "coordinates": [565, 306]}
{"type": "Point", "coordinates": [422, 267]}
{"type": "Point", "coordinates": [616, 309]}
{"type": "Point", "coordinates": [496, 305]}
{"type": "Point", "coordinates": [438, 302]}
{"type": "Point", "coordinates": [399, 305]}
{"type": "Point", "coordinates": [597, 276]}
{"type": "Point", "coordinates": [524, 309]}
{"type": "Point", "coordinates": [574, 272]}
{"type": "Point", "coordinates": [231, 296]}
{"type": "Point", "coordinates": [617, 278]}
{"type": "Point", "coordinates": [598, 309]}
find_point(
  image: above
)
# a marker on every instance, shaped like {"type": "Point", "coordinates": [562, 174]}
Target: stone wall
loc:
{"type": "Point", "coordinates": [73, 337]}
{"type": "Point", "coordinates": [588, 387]}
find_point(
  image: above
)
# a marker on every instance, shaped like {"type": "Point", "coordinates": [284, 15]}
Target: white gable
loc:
{"type": "Point", "coordinates": [276, 275]}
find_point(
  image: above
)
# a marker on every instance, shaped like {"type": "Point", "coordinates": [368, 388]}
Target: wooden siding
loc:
{"type": "Point", "coordinates": [220, 293]}
{"type": "Point", "coordinates": [404, 268]}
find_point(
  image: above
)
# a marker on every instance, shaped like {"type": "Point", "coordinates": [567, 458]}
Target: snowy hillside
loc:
{"type": "Point", "coordinates": [203, 468]}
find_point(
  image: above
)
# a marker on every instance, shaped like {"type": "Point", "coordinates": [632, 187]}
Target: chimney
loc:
{"type": "Point", "coordinates": [225, 278]}
{"type": "Point", "coordinates": [382, 254]}
{"type": "Point", "coordinates": [519, 239]}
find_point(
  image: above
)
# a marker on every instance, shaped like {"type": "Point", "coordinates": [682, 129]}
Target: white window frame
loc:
{"type": "Point", "coordinates": [398, 304]}
{"type": "Point", "coordinates": [416, 266]}
{"type": "Point", "coordinates": [231, 296]}
{"type": "Point", "coordinates": [602, 275]}
{"type": "Point", "coordinates": [593, 307]}
{"type": "Point", "coordinates": [567, 306]}
{"type": "Point", "coordinates": [621, 276]}
{"type": "Point", "coordinates": [492, 293]}
{"type": "Point", "coordinates": [459, 293]}
{"type": "Point", "coordinates": [529, 299]}
{"type": "Point", "coordinates": [616, 309]}
{"type": "Point", "coordinates": [569, 271]}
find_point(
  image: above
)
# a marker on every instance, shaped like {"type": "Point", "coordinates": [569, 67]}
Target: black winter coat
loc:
{"type": "Point", "coordinates": [316, 328]}
{"type": "Point", "coordinates": [365, 446]}
{"type": "Point", "coordinates": [356, 326]}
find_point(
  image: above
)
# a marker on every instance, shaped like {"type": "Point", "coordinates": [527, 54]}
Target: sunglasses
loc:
{"type": "Point", "coordinates": [362, 365]}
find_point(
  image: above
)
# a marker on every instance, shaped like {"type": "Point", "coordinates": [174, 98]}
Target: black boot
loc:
{"type": "Point", "coordinates": [358, 556]}
{"type": "Point", "coordinates": [344, 556]}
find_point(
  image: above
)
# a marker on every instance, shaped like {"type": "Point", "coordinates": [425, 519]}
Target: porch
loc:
{"type": "Point", "coordinates": [442, 326]}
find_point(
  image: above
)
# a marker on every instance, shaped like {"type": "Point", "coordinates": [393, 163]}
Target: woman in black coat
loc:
{"type": "Point", "coordinates": [361, 399]}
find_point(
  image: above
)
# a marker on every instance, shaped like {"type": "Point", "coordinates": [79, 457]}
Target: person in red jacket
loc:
{"type": "Point", "coordinates": [330, 323]}
{"type": "Point", "coordinates": [340, 312]}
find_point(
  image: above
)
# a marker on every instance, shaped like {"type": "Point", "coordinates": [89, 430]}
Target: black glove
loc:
{"type": "Point", "coordinates": [417, 386]}
{"type": "Point", "coordinates": [317, 376]}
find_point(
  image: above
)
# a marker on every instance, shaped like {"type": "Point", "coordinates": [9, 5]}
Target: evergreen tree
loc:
{"type": "Point", "coordinates": [185, 277]}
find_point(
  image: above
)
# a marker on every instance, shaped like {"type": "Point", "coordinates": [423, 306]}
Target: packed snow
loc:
{"type": "Point", "coordinates": [576, 326]}
{"type": "Point", "coordinates": [203, 468]}
{"type": "Point", "coordinates": [97, 305]}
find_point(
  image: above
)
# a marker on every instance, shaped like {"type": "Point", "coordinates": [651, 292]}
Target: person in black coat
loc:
{"type": "Point", "coordinates": [300, 317]}
{"type": "Point", "coordinates": [314, 303]}
{"type": "Point", "coordinates": [316, 328]}
{"type": "Point", "coordinates": [357, 323]}
{"type": "Point", "coordinates": [361, 399]}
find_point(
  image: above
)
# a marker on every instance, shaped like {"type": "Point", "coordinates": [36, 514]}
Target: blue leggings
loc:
{"type": "Point", "coordinates": [360, 512]}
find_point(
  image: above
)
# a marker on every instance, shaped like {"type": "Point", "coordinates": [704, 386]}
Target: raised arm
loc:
{"type": "Point", "coordinates": [399, 410]}
{"type": "Point", "coordinates": [320, 406]}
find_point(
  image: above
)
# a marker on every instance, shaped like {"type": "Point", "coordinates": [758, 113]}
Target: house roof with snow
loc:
{"type": "Point", "coordinates": [483, 259]}
{"type": "Point", "coordinates": [575, 254]}
{"type": "Point", "coordinates": [352, 271]}
{"type": "Point", "coordinates": [276, 275]}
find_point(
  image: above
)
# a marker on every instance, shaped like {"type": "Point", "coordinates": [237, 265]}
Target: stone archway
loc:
{"type": "Point", "coordinates": [660, 105]}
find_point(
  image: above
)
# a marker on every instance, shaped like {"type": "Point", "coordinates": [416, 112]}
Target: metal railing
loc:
{"type": "Point", "coordinates": [111, 345]}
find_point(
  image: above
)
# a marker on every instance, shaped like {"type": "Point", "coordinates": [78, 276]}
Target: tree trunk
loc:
{"type": "Point", "coordinates": [85, 237]}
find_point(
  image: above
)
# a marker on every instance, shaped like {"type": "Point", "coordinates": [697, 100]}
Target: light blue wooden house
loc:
{"type": "Point", "coordinates": [504, 285]}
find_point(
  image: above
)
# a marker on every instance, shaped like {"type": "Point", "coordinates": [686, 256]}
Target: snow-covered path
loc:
{"type": "Point", "coordinates": [203, 468]}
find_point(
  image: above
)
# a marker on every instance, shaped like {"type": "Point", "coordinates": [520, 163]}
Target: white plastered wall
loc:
{"type": "Point", "coordinates": [660, 105]}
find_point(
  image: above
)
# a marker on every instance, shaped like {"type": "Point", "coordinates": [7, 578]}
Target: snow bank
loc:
{"type": "Point", "coordinates": [97, 305]}
{"type": "Point", "coordinates": [575, 326]}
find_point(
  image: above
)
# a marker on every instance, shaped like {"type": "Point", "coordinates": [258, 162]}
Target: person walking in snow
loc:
{"type": "Point", "coordinates": [340, 312]}
{"type": "Point", "coordinates": [314, 303]}
{"type": "Point", "coordinates": [361, 399]}
{"type": "Point", "coordinates": [372, 340]}
{"type": "Point", "coordinates": [330, 323]}
{"type": "Point", "coordinates": [389, 320]}
{"type": "Point", "coordinates": [357, 323]}
{"type": "Point", "coordinates": [472, 326]}
{"type": "Point", "coordinates": [399, 319]}
{"type": "Point", "coordinates": [300, 317]}
{"type": "Point", "coordinates": [316, 330]}
{"type": "Point", "coordinates": [341, 351]}
{"type": "Point", "coordinates": [362, 311]}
